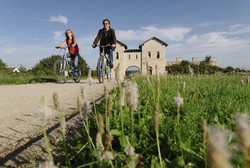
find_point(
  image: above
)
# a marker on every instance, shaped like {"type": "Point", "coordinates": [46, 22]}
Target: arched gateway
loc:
{"type": "Point", "coordinates": [153, 49]}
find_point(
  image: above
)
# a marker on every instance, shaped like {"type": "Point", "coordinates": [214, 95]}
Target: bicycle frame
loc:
{"type": "Point", "coordinates": [62, 68]}
{"type": "Point", "coordinates": [103, 65]}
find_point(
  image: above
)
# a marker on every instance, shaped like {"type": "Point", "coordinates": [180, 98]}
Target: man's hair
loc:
{"type": "Point", "coordinates": [105, 20]}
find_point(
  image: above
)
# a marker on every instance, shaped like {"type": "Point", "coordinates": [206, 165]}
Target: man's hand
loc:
{"type": "Point", "coordinates": [113, 45]}
{"type": "Point", "coordinates": [94, 46]}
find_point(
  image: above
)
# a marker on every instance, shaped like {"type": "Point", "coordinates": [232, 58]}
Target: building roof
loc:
{"type": "Point", "coordinates": [11, 68]}
{"type": "Point", "coordinates": [122, 44]}
{"type": "Point", "coordinates": [154, 38]}
{"type": "Point", "coordinates": [133, 50]}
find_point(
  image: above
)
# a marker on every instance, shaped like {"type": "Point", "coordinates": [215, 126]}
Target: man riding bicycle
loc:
{"type": "Point", "coordinates": [106, 36]}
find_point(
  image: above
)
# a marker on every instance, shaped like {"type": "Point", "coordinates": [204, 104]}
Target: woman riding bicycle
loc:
{"type": "Point", "coordinates": [73, 50]}
{"type": "Point", "coordinates": [106, 36]}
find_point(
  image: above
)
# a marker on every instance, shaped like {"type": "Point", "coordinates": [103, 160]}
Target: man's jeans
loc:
{"type": "Point", "coordinates": [75, 59]}
{"type": "Point", "coordinates": [109, 51]}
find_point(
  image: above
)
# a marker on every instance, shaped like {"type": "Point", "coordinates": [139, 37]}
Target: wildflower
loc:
{"type": "Point", "coordinates": [79, 105]}
{"type": "Point", "coordinates": [89, 80]}
{"type": "Point", "coordinates": [218, 155]}
{"type": "Point", "coordinates": [147, 60]}
{"type": "Point", "coordinates": [178, 100]}
{"type": "Point", "coordinates": [184, 85]}
{"type": "Point", "coordinates": [106, 155]}
{"type": "Point", "coordinates": [108, 140]}
{"type": "Point", "coordinates": [190, 70]}
{"type": "Point", "coordinates": [86, 108]}
{"type": "Point", "coordinates": [242, 82]}
{"type": "Point", "coordinates": [105, 89]}
{"type": "Point", "coordinates": [46, 164]}
{"type": "Point", "coordinates": [132, 94]}
{"type": "Point", "coordinates": [204, 130]}
{"type": "Point", "coordinates": [109, 107]}
{"type": "Point", "coordinates": [121, 98]}
{"type": "Point", "coordinates": [101, 124]}
{"type": "Point", "coordinates": [117, 73]}
{"type": "Point", "coordinates": [99, 144]}
{"type": "Point", "coordinates": [130, 151]}
{"type": "Point", "coordinates": [156, 118]}
{"type": "Point", "coordinates": [55, 100]}
{"type": "Point", "coordinates": [82, 89]}
{"type": "Point", "coordinates": [43, 112]}
{"type": "Point", "coordinates": [156, 69]}
{"type": "Point", "coordinates": [244, 134]}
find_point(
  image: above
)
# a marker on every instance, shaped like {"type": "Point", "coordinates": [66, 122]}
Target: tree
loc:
{"type": "Point", "coordinates": [3, 66]}
{"type": "Point", "coordinates": [22, 68]}
{"type": "Point", "coordinates": [47, 65]}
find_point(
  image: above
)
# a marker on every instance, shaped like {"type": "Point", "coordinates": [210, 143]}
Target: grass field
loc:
{"type": "Point", "coordinates": [162, 122]}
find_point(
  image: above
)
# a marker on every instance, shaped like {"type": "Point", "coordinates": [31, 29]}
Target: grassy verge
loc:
{"type": "Point", "coordinates": [163, 122]}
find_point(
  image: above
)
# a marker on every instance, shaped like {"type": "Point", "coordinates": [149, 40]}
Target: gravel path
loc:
{"type": "Point", "coordinates": [18, 103]}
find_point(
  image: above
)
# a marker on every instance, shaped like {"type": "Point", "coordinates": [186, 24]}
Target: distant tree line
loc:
{"type": "Point", "coordinates": [202, 68]}
{"type": "Point", "coordinates": [45, 67]}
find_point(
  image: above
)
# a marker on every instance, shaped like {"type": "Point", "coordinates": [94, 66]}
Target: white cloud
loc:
{"type": "Point", "coordinates": [59, 18]}
{"type": "Point", "coordinates": [173, 34]}
{"type": "Point", "coordinates": [226, 47]}
{"type": "Point", "coordinates": [58, 36]}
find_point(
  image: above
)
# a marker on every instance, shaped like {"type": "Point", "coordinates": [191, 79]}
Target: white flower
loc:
{"type": "Point", "coordinates": [117, 73]}
{"type": "Point", "coordinates": [184, 85]}
{"type": "Point", "coordinates": [122, 97]}
{"type": "Point", "coordinates": [86, 108]}
{"type": "Point", "coordinates": [99, 144]}
{"type": "Point", "coordinates": [106, 155]}
{"type": "Point", "coordinates": [178, 100]}
{"type": "Point", "coordinates": [190, 70]}
{"type": "Point", "coordinates": [218, 154]}
{"type": "Point", "coordinates": [243, 122]}
{"type": "Point", "coordinates": [43, 112]}
{"type": "Point", "coordinates": [132, 94]}
{"type": "Point", "coordinates": [89, 79]}
{"type": "Point", "coordinates": [130, 151]}
{"type": "Point", "coordinates": [147, 60]}
{"type": "Point", "coordinates": [82, 89]}
{"type": "Point", "coordinates": [46, 164]}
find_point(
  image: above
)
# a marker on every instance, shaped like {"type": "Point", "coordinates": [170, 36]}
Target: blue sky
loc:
{"type": "Point", "coordinates": [30, 29]}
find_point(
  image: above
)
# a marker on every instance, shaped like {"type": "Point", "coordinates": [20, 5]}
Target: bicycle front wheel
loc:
{"type": "Point", "coordinates": [61, 70]}
{"type": "Point", "coordinates": [100, 70]}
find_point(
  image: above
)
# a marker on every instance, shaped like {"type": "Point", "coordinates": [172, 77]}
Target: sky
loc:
{"type": "Point", "coordinates": [30, 29]}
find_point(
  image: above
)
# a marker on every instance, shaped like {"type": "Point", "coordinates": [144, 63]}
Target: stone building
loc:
{"type": "Point", "coordinates": [153, 50]}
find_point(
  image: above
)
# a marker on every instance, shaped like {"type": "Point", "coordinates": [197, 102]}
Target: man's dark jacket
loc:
{"type": "Point", "coordinates": [105, 37]}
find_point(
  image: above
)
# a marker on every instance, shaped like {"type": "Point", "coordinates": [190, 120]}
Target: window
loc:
{"type": "Point", "coordinates": [158, 54]}
{"type": "Point", "coordinates": [149, 54]}
{"type": "Point", "coordinates": [117, 55]}
{"type": "Point", "coordinates": [136, 56]}
{"type": "Point", "coordinates": [129, 56]}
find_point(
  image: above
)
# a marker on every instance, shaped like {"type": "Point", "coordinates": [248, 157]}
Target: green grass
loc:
{"type": "Point", "coordinates": [216, 99]}
{"type": "Point", "coordinates": [24, 80]}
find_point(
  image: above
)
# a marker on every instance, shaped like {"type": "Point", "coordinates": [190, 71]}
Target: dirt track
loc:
{"type": "Point", "coordinates": [19, 102]}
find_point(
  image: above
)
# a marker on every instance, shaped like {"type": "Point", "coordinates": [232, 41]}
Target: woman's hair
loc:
{"type": "Point", "coordinates": [73, 35]}
{"type": "Point", "coordinates": [105, 20]}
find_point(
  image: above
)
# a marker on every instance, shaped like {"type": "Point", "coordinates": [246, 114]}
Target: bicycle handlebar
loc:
{"type": "Point", "coordinates": [103, 46]}
{"type": "Point", "coordinates": [62, 48]}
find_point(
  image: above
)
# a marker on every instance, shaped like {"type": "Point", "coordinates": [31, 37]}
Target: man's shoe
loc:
{"type": "Point", "coordinates": [111, 66]}
{"type": "Point", "coordinates": [75, 78]}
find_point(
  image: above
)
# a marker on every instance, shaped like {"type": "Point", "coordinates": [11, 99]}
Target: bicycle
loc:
{"type": "Point", "coordinates": [63, 68]}
{"type": "Point", "coordinates": [103, 66]}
